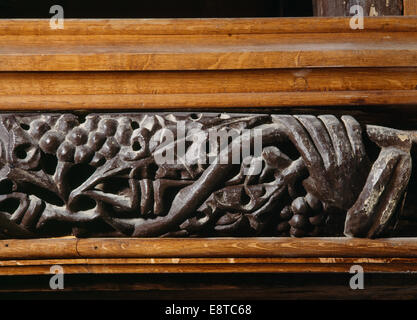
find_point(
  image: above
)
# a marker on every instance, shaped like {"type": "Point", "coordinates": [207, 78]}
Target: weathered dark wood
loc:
{"type": "Point", "coordinates": [334, 8]}
{"type": "Point", "coordinates": [106, 175]}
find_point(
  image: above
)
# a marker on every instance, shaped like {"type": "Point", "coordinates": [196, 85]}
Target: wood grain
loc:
{"type": "Point", "coordinates": [256, 247]}
{"type": "Point", "coordinates": [39, 248]}
{"type": "Point", "coordinates": [233, 81]}
{"type": "Point", "coordinates": [410, 7]}
{"type": "Point", "coordinates": [83, 48]}
{"type": "Point", "coordinates": [221, 255]}
{"type": "Point", "coordinates": [207, 248]}
{"type": "Point", "coordinates": [196, 89]}
{"type": "Point", "coordinates": [120, 266]}
{"type": "Point", "coordinates": [387, 50]}
{"type": "Point", "coordinates": [213, 26]}
{"type": "Point", "coordinates": [207, 100]}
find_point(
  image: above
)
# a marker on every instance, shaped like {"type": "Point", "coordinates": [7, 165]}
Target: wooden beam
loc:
{"type": "Point", "coordinates": [207, 100]}
{"type": "Point", "coordinates": [215, 26]}
{"type": "Point", "coordinates": [80, 48]}
{"type": "Point", "coordinates": [208, 89]}
{"type": "Point", "coordinates": [220, 255]}
{"type": "Point", "coordinates": [197, 82]}
{"type": "Point", "coordinates": [98, 248]}
{"type": "Point", "coordinates": [206, 265]}
{"type": "Point", "coordinates": [244, 81]}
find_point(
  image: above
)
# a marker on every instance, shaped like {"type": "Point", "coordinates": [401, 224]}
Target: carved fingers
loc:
{"type": "Point", "coordinates": [334, 154]}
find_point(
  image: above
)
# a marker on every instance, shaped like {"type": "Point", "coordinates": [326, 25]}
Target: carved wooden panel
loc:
{"type": "Point", "coordinates": [202, 175]}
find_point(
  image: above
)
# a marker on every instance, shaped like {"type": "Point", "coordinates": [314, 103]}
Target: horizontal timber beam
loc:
{"type": "Point", "coordinates": [224, 255]}
{"type": "Point", "coordinates": [218, 44]}
{"type": "Point", "coordinates": [69, 247]}
{"type": "Point", "coordinates": [205, 89]}
{"type": "Point", "coordinates": [206, 100]}
{"type": "Point", "coordinates": [209, 26]}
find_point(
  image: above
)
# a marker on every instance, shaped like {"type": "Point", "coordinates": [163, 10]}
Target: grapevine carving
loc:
{"type": "Point", "coordinates": [93, 176]}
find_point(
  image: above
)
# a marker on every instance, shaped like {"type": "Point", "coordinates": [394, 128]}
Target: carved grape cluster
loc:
{"type": "Point", "coordinates": [93, 142]}
{"type": "Point", "coordinates": [305, 216]}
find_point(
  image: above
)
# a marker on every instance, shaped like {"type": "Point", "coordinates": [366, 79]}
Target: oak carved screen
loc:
{"type": "Point", "coordinates": [203, 175]}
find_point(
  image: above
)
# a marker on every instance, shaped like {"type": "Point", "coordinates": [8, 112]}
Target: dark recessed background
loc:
{"type": "Point", "coordinates": [157, 8]}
